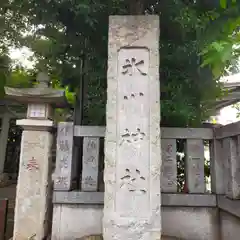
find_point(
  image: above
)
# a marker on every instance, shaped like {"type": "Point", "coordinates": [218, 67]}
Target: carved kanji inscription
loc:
{"type": "Point", "coordinates": [64, 162]}
{"type": "Point", "coordinates": [89, 181]}
{"type": "Point", "coordinates": [90, 164]}
{"type": "Point", "coordinates": [195, 166]}
{"type": "Point", "coordinates": [91, 146]}
{"type": "Point", "coordinates": [132, 194]}
{"type": "Point", "coordinates": [133, 131]}
{"type": "Point", "coordinates": [62, 180]}
{"type": "Point", "coordinates": [133, 95]}
{"type": "Point", "coordinates": [133, 180]}
{"type": "Point", "coordinates": [64, 156]}
{"type": "Point", "coordinates": [132, 66]}
{"type": "Point", "coordinates": [32, 164]}
{"type": "Point", "coordinates": [169, 166]}
{"type": "Point", "coordinates": [64, 146]}
{"type": "Point", "coordinates": [64, 130]}
{"type": "Point", "coordinates": [130, 137]}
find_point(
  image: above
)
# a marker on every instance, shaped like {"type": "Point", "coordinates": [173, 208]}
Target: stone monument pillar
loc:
{"type": "Point", "coordinates": [34, 180]}
{"type": "Point", "coordinates": [132, 202]}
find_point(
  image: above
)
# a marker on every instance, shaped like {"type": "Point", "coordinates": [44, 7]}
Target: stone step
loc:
{"type": "Point", "coordinates": [99, 237]}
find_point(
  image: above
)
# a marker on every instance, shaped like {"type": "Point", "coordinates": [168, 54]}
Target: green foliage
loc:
{"type": "Point", "coordinates": [224, 3]}
{"type": "Point", "coordinates": [237, 107]}
{"type": "Point", "coordinates": [4, 71]}
{"type": "Point", "coordinates": [224, 50]}
{"type": "Point", "coordinates": [62, 32]}
{"type": "Point", "coordinates": [70, 96]}
{"type": "Point", "coordinates": [61, 114]}
{"type": "Point", "coordinates": [19, 78]}
{"type": "Point", "coordinates": [9, 76]}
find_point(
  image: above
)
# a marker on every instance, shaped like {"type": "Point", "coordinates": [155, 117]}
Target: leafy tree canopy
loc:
{"type": "Point", "coordinates": [61, 32]}
{"type": "Point", "coordinates": [223, 50]}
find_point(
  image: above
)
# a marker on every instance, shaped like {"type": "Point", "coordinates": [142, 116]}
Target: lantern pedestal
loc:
{"type": "Point", "coordinates": [33, 197]}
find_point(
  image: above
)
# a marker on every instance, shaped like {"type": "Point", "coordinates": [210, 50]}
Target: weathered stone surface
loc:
{"type": "Point", "coordinates": [132, 142]}
{"type": "Point", "coordinates": [232, 167]}
{"type": "Point", "coordinates": [229, 226]}
{"type": "Point", "coordinates": [217, 167]}
{"type": "Point", "coordinates": [40, 94]}
{"type": "Point", "coordinates": [35, 167]}
{"type": "Point", "coordinates": [66, 225]}
{"type": "Point", "coordinates": [63, 172]}
{"type": "Point", "coordinates": [169, 165]}
{"type": "Point", "coordinates": [99, 237]}
{"type": "Point", "coordinates": [189, 223]}
{"type": "Point", "coordinates": [195, 166]}
{"type": "Point", "coordinates": [32, 200]}
{"type": "Point", "coordinates": [90, 164]}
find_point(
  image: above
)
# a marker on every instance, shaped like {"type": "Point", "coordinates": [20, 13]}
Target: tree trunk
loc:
{"type": "Point", "coordinates": [136, 7]}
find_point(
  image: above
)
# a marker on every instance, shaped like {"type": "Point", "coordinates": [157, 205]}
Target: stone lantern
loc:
{"type": "Point", "coordinates": [34, 180]}
{"type": "Point", "coordinates": [40, 99]}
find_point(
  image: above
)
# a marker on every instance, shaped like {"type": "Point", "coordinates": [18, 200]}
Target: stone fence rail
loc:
{"type": "Point", "coordinates": [183, 209]}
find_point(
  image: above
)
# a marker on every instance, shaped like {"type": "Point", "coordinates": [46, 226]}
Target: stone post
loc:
{"type": "Point", "coordinates": [34, 181]}
{"type": "Point", "coordinates": [4, 140]}
{"type": "Point", "coordinates": [231, 166]}
{"type": "Point", "coordinates": [132, 202]}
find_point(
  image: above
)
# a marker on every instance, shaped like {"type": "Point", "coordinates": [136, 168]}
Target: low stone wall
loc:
{"type": "Point", "coordinates": [99, 237]}
{"type": "Point", "coordinates": [193, 223]}
{"type": "Point", "coordinates": [230, 226]}
{"type": "Point", "coordinates": [76, 221]}
{"type": "Point", "coordinates": [184, 216]}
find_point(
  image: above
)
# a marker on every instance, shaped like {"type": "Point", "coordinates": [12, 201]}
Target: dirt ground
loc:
{"type": "Point", "coordinates": [9, 192]}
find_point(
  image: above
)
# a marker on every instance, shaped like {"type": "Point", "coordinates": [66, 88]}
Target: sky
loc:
{"type": "Point", "coordinates": [22, 56]}
{"type": "Point", "coordinates": [227, 114]}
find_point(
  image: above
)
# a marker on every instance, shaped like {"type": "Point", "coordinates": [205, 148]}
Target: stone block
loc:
{"type": "Point", "coordinates": [231, 154]}
{"type": "Point", "coordinates": [33, 192]}
{"type": "Point", "coordinates": [90, 164]}
{"type": "Point", "coordinates": [195, 166]}
{"type": "Point", "coordinates": [169, 165]}
{"type": "Point", "coordinates": [132, 199]}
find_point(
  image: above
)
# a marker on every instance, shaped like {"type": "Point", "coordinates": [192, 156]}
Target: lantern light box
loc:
{"type": "Point", "coordinates": [39, 111]}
